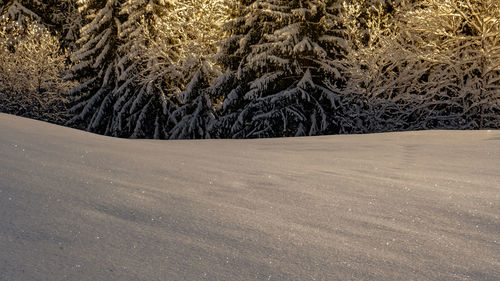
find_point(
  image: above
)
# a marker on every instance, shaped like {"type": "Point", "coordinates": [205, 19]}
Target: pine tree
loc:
{"type": "Point", "coordinates": [137, 99]}
{"type": "Point", "coordinates": [60, 16]}
{"type": "Point", "coordinates": [96, 66]}
{"type": "Point", "coordinates": [22, 10]}
{"type": "Point", "coordinates": [142, 107]}
{"type": "Point", "coordinates": [282, 77]}
{"type": "Point", "coordinates": [64, 19]}
{"type": "Point", "coordinates": [180, 64]}
{"type": "Point", "coordinates": [202, 30]}
{"type": "Point", "coordinates": [195, 113]}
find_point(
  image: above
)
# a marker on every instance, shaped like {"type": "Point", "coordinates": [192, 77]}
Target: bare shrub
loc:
{"type": "Point", "coordinates": [31, 67]}
{"type": "Point", "coordinates": [435, 65]}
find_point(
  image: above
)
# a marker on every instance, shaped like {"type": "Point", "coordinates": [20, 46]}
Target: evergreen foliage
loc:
{"type": "Point", "coordinates": [181, 64]}
{"type": "Point", "coordinates": [61, 17]}
{"type": "Point", "coordinates": [157, 48]}
{"type": "Point", "coordinates": [96, 66]}
{"type": "Point", "coordinates": [256, 68]}
{"type": "Point", "coordinates": [141, 108]}
{"type": "Point", "coordinates": [282, 58]}
{"type": "Point", "coordinates": [111, 99]}
{"type": "Point", "coordinates": [22, 10]}
{"type": "Point", "coordinates": [195, 114]}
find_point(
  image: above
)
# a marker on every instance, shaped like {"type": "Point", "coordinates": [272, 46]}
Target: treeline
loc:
{"type": "Point", "coordinates": [250, 69]}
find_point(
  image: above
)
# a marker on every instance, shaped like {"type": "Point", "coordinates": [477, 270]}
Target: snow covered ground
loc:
{"type": "Point", "coordinates": [396, 206]}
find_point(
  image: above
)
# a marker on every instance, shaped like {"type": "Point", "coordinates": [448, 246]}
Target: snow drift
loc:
{"type": "Point", "coordinates": [395, 206]}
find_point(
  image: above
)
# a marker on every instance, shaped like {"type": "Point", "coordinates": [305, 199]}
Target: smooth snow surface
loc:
{"type": "Point", "coordinates": [396, 206]}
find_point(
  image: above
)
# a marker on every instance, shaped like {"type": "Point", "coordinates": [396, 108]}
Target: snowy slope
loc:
{"type": "Point", "coordinates": [397, 206]}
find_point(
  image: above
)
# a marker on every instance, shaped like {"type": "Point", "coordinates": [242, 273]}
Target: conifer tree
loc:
{"type": "Point", "coordinates": [156, 50]}
{"type": "Point", "coordinates": [142, 108]}
{"type": "Point", "coordinates": [60, 16]}
{"type": "Point", "coordinates": [95, 66]}
{"type": "Point", "coordinates": [202, 22]}
{"type": "Point", "coordinates": [65, 20]}
{"type": "Point", "coordinates": [135, 102]}
{"type": "Point", "coordinates": [195, 113]}
{"type": "Point", "coordinates": [282, 77]}
{"type": "Point", "coordinates": [22, 10]}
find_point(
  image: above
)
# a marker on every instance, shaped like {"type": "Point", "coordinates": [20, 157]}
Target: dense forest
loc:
{"type": "Point", "coordinates": [181, 69]}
